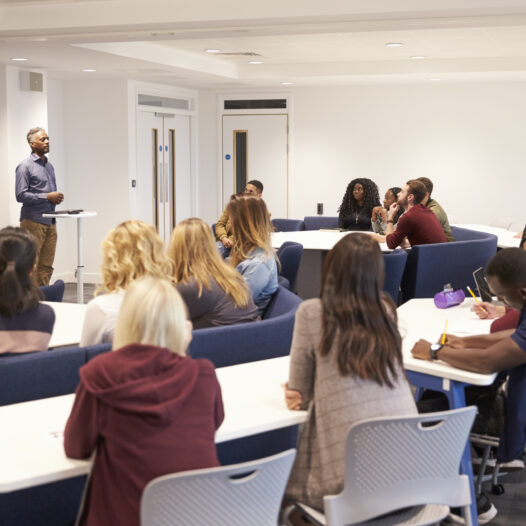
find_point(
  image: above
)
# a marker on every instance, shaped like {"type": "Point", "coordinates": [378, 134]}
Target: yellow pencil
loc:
{"type": "Point", "coordinates": [444, 335]}
{"type": "Point", "coordinates": [476, 299]}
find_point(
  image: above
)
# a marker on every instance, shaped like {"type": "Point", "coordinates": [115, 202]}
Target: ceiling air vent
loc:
{"type": "Point", "coordinates": [238, 54]}
{"type": "Point", "coordinates": [259, 104]}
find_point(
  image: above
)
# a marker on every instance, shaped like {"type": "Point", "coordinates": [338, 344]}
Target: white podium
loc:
{"type": "Point", "coordinates": [80, 265]}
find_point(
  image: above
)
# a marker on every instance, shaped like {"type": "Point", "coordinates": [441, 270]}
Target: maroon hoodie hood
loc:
{"type": "Point", "coordinates": [151, 381]}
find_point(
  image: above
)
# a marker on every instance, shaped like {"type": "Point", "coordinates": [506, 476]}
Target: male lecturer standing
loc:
{"type": "Point", "coordinates": [36, 189]}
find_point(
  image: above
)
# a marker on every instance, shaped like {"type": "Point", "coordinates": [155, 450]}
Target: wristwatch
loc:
{"type": "Point", "coordinates": [435, 347]}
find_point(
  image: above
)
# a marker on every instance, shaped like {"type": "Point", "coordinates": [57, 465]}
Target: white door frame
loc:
{"type": "Point", "coordinates": [145, 88]}
{"type": "Point", "coordinates": [273, 111]}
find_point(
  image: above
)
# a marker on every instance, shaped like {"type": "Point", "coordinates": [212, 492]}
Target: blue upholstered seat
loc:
{"type": "Point", "coordinates": [394, 270]}
{"type": "Point", "coordinates": [54, 292]}
{"type": "Point", "coordinates": [288, 225]}
{"type": "Point", "coordinates": [32, 376]}
{"type": "Point", "coordinates": [430, 267]}
{"type": "Point", "coordinates": [317, 222]}
{"type": "Point", "coordinates": [249, 342]}
{"type": "Point", "coordinates": [289, 255]}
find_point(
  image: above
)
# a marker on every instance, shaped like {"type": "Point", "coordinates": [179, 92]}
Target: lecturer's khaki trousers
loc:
{"type": "Point", "coordinates": [46, 239]}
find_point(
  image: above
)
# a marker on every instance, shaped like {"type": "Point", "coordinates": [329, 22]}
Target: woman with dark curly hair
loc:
{"type": "Point", "coordinates": [357, 205]}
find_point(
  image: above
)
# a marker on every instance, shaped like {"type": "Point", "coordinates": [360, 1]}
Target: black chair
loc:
{"type": "Point", "coordinates": [289, 255]}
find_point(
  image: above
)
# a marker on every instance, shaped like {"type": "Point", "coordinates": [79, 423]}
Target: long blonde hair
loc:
{"type": "Point", "coordinates": [251, 227]}
{"type": "Point", "coordinates": [131, 250]}
{"type": "Point", "coordinates": [153, 313]}
{"type": "Point", "coordinates": [195, 255]}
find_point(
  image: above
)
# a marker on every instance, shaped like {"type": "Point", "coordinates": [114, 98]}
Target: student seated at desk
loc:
{"type": "Point", "coordinates": [345, 365]}
{"type": "Point", "coordinates": [360, 199]}
{"type": "Point", "coordinates": [214, 292]}
{"type": "Point", "coordinates": [146, 408]}
{"type": "Point", "coordinates": [131, 250]}
{"type": "Point", "coordinates": [26, 324]}
{"type": "Point", "coordinates": [379, 214]}
{"type": "Point", "coordinates": [252, 253]}
{"type": "Point", "coordinates": [499, 351]}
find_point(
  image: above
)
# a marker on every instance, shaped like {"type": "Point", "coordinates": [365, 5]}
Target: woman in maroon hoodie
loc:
{"type": "Point", "coordinates": [148, 409]}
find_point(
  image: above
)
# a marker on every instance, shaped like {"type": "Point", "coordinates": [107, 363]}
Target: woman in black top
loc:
{"type": "Point", "coordinates": [357, 205]}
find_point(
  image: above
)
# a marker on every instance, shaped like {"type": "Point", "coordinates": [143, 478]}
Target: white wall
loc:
{"type": "Point", "coordinates": [208, 188]}
{"type": "Point", "coordinates": [19, 111]}
{"type": "Point", "coordinates": [95, 144]}
{"type": "Point", "coordinates": [469, 139]}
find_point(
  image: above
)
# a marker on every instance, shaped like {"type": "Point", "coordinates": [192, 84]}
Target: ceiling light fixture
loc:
{"type": "Point", "coordinates": [255, 62]}
{"type": "Point", "coordinates": [287, 83]}
{"type": "Point", "coordinates": [212, 51]}
{"type": "Point", "coordinates": [18, 59]}
{"type": "Point", "coordinates": [394, 44]}
{"type": "Point", "coordinates": [418, 57]}
{"type": "Point", "coordinates": [435, 79]}
{"type": "Point", "coordinates": [89, 70]}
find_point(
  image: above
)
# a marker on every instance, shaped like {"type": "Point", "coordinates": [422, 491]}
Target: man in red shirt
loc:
{"type": "Point", "coordinates": [418, 226]}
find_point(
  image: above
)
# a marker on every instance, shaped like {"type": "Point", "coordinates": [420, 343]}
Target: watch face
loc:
{"type": "Point", "coordinates": [436, 346]}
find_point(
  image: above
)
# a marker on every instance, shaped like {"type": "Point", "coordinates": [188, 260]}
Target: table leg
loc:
{"type": "Point", "coordinates": [454, 392]}
{"type": "Point", "coordinates": [456, 399]}
{"type": "Point", "coordinates": [80, 266]}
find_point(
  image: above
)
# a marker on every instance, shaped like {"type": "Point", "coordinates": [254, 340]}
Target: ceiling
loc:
{"type": "Point", "coordinates": [307, 42]}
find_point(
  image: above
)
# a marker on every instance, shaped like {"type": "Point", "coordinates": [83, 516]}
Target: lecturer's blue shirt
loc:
{"type": "Point", "coordinates": [34, 180]}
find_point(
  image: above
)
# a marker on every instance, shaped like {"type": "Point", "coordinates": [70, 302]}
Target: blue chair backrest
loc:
{"type": "Point", "coordinates": [394, 270]}
{"type": "Point", "coordinates": [32, 376]}
{"type": "Point", "coordinates": [430, 267]}
{"type": "Point", "coordinates": [289, 255]}
{"type": "Point", "coordinates": [54, 292]}
{"type": "Point", "coordinates": [288, 225]}
{"type": "Point", "coordinates": [213, 227]}
{"type": "Point", "coordinates": [317, 222]}
{"type": "Point", "coordinates": [253, 341]}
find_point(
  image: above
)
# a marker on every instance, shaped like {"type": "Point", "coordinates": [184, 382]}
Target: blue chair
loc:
{"type": "Point", "coordinates": [289, 255]}
{"type": "Point", "coordinates": [394, 270]}
{"type": "Point", "coordinates": [288, 225]}
{"type": "Point", "coordinates": [32, 376]}
{"type": "Point", "coordinates": [317, 222]}
{"type": "Point", "coordinates": [249, 342]}
{"type": "Point", "coordinates": [54, 292]}
{"type": "Point", "coordinates": [430, 267]}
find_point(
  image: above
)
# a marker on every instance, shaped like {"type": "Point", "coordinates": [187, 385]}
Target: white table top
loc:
{"type": "Point", "coordinates": [85, 213]}
{"type": "Point", "coordinates": [31, 449]}
{"type": "Point", "coordinates": [316, 239]}
{"type": "Point", "coordinates": [505, 238]}
{"type": "Point", "coordinates": [419, 318]}
{"type": "Point", "coordinates": [31, 441]}
{"type": "Point", "coordinates": [69, 318]}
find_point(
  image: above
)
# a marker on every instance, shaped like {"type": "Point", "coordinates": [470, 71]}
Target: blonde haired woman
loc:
{"type": "Point", "coordinates": [252, 253]}
{"type": "Point", "coordinates": [149, 409]}
{"type": "Point", "coordinates": [131, 250]}
{"type": "Point", "coordinates": [214, 292]}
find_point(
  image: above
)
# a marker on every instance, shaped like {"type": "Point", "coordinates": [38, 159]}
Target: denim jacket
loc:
{"type": "Point", "coordinates": [260, 273]}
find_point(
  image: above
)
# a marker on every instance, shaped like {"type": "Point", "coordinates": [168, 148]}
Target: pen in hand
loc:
{"type": "Point", "coordinates": [476, 299]}
{"type": "Point", "coordinates": [444, 335]}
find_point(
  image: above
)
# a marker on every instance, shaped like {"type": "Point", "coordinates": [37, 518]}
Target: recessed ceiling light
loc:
{"type": "Point", "coordinates": [394, 44]}
{"type": "Point", "coordinates": [255, 62]}
{"type": "Point", "coordinates": [18, 59]}
{"type": "Point", "coordinates": [418, 57]}
{"type": "Point", "coordinates": [89, 70]}
{"type": "Point", "coordinates": [434, 79]}
{"type": "Point", "coordinates": [212, 50]}
{"type": "Point", "coordinates": [287, 83]}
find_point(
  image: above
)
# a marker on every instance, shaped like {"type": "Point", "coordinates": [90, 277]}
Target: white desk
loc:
{"type": "Point", "coordinates": [505, 238]}
{"type": "Point", "coordinates": [31, 447]}
{"type": "Point", "coordinates": [69, 318]}
{"type": "Point", "coordinates": [80, 263]}
{"type": "Point", "coordinates": [419, 318]}
{"type": "Point", "coordinates": [316, 243]}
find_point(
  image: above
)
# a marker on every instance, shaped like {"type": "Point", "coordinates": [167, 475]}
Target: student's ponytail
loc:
{"type": "Point", "coordinates": [18, 293]}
